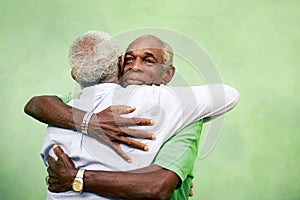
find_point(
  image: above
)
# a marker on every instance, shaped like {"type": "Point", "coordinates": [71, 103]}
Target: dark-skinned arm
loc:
{"type": "Point", "coordinates": [153, 182]}
{"type": "Point", "coordinates": [158, 184]}
{"type": "Point", "coordinates": [51, 110]}
{"type": "Point", "coordinates": [106, 126]}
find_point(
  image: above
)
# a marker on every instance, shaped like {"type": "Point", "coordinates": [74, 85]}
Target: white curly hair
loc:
{"type": "Point", "coordinates": [93, 57]}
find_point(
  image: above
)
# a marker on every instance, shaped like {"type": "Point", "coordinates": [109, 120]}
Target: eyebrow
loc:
{"type": "Point", "coordinates": [150, 54]}
{"type": "Point", "coordinates": [128, 52]}
{"type": "Point", "coordinates": [147, 53]}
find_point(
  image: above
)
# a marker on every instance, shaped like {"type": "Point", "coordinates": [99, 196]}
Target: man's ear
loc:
{"type": "Point", "coordinates": [73, 75]}
{"type": "Point", "coordinates": [121, 65]}
{"type": "Point", "coordinates": [168, 74]}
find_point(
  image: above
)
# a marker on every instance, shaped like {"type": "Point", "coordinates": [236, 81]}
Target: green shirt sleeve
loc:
{"type": "Point", "coordinates": [178, 154]}
{"type": "Point", "coordinates": [66, 98]}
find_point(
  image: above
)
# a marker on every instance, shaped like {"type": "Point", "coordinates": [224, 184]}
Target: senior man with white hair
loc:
{"type": "Point", "coordinates": [181, 110]}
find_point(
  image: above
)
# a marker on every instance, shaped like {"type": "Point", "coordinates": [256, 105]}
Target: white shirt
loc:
{"type": "Point", "coordinates": [171, 108]}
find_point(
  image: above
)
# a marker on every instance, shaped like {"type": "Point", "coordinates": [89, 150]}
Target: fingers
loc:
{"type": "Point", "coordinates": [114, 132]}
{"type": "Point", "coordinates": [57, 150]}
{"type": "Point", "coordinates": [62, 156]}
{"type": "Point", "coordinates": [118, 149]}
{"type": "Point", "coordinates": [122, 109]}
{"type": "Point", "coordinates": [52, 163]}
{"type": "Point", "coordinates": [134, 121]}
{"type": "Point", "coordinates": [132, 143]}
{"type": "Point", "coordinates": [118, 135]}
{"type": "Point", "coordinates": [52, 189]}
{"type": "Point", "coordinates": [137, 133]}
{"type": "Point", "coordinates": [111, 115]}
{"type": "Point", "coordinates": [115, 146]}
{"type": "Point", "coordinates": [51, 160]}
{"type": "Point", "coordinates": [191, 193]}
{"type": "Point", "coordinates": [128, 121]}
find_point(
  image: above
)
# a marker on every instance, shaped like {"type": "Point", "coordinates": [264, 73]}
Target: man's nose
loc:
{"type": "Point", "coordinates": [137, 65]}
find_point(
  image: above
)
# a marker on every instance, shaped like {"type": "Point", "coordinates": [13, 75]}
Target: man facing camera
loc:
{"type": "Point", "coordinates": [147, 61]}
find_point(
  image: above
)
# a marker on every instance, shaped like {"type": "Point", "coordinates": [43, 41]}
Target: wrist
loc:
{"type": "Point", "coordinates": [85, 122]}
{"type": "Point", "coordinates": [93, 125]}
{"type": "Point", "coordinates": [78, 182]}
{"type": "Point", "coordinates": [77, 118]}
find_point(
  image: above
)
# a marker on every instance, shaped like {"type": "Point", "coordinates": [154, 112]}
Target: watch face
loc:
{"type": "Point", "coordinates": [77, 185]}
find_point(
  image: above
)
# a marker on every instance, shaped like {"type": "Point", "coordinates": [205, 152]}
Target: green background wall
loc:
{"type": "Point", "coordinates": [255, 45]}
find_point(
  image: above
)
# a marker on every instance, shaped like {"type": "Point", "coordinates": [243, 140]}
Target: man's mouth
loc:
{"type": "Point", "coordinates": [134, 82]}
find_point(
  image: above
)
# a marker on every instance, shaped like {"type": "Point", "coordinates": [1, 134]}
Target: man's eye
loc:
{"type": "Point", "coordinates": [149, 61]}
{"type": "Point", "coordinates": [128, 60]}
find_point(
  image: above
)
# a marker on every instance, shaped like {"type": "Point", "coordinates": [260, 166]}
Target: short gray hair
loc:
{"type": "Point", "coordinates": [93, 57]}
{"type": "Point", "coordinates": [166, 48]}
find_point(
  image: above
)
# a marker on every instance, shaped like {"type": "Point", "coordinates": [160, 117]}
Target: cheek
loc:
{"type": "Point", "coordinates": [156, 75]}
{"type": "Point", "coordinates": [125, 69]}
{"type": "Point", "coordinates": [121, 70]}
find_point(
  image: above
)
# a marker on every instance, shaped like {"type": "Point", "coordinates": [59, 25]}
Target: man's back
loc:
{"type": "Point", "coordinates": [170, 108]}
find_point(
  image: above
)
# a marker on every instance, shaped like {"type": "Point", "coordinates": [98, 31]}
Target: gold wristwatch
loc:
{"type": "Point", "coordinates": [77, 184]}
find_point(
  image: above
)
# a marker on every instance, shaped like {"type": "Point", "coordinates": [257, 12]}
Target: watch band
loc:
{"type": "Point", "coordinates": [78, 183]}
{"type": "Point", "coordinates": [80, 173]}
{"type": "Point", "coordinates": [85, 122]}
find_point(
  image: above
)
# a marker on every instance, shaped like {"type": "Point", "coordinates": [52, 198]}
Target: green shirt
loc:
{"type": "Point", "coordinates": [66, 98]}
{"type": "Point", "coordinates": [178, 154]}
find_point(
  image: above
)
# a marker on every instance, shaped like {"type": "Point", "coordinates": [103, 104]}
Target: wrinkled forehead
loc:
{"type": "Point", "coordinates": [144, 44]}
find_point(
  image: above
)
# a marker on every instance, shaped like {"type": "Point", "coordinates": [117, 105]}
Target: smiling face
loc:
{"type": "Point", "coordinates": [143, 64]}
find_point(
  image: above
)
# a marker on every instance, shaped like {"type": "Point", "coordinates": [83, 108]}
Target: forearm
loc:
{"type": "Point", "coordinates": [158, 184]}
{"type": "Point", "coordinates": [211, 100]}
{"type": "Point", "coordinates": [150, 168]}
{"type": "Point", "coordinates": [51, 110]}
{"type": "Point", "coordinates": [224, 98]}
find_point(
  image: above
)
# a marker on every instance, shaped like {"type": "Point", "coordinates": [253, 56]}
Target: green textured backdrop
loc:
{"type": "Point", "coordinates": [255, 45]}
